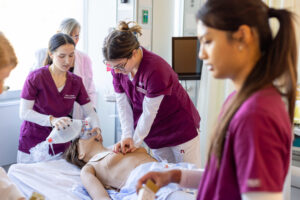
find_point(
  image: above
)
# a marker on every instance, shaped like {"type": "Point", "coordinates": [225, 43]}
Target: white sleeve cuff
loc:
{"type": "Point", "coordinates": [262, 196]}
{"type": "Point", "coordinates": [27, 113]}
{"type": "Point", "coordinates": [150, 109]}
{"type": "Point", "coordinates": [191, 178]}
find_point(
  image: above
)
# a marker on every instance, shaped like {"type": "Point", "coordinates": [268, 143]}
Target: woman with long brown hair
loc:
{"type": "Point", "coordinates": [249, 154]}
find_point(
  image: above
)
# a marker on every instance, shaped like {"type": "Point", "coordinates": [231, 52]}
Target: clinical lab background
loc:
{"type": "Point", "coordinates": [164, 19]}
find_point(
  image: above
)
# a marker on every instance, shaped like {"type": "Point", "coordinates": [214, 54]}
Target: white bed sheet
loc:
{"type": "Point", "coordinates": [58, 179]}
{"type": "Point", "coordinates": [54, 179]}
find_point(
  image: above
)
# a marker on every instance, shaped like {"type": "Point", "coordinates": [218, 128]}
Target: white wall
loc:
{"type": "Point", "coordinates": [163, 28]}
{"type": "Point", "coordinates": [9, 131]}
{"type": "Point", "coordinates": [101, 16]}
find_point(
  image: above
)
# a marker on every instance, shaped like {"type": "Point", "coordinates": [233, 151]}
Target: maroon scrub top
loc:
{"type": "Point", "coordinates": [40, 87]}
{"type": "Point", "coordinates": [177, 119]}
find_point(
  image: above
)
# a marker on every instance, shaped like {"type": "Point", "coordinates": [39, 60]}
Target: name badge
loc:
{"type": "Point", "coordinates": [69, 96]}
{"type": "Point", "coordinates": [141, 90]}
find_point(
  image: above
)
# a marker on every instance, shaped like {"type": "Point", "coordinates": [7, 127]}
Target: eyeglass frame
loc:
{"type": "Point", "coordinates": [121, 68]}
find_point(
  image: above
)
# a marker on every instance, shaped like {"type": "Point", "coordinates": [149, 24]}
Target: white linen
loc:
{"type": "Point", "coordinates": [58, 179]}
{"type": "Point", "coordinates": [53, 179]}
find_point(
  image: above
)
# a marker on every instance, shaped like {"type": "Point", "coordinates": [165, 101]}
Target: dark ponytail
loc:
{"type": "Point", "coordinates": [55, 42]}
{"type": "Point", "coordinates": [276, 66]}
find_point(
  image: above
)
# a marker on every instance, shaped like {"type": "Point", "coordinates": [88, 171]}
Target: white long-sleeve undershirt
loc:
{"type": "Point", "coordinates": [27, 113]}
{"type": "Point", "coordinates": [125, 115]}
{"type": "Point", "coordinates": [191, 179]}
{"type": "Point", "coordinates": [150, 109]}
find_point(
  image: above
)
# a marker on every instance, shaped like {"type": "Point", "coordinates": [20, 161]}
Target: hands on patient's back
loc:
{"type": "Point", "coordinates": [60, 123]}
{"type": "Point", "coordinates": [125, 146]}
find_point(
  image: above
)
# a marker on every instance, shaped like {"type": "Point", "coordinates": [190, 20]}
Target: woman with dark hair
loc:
{"type": "Point", "coordinates": [249, 155]}
{"type": "Point", "coordinates": [153, 106]}
{"type": "Point", "coordinates": [48, 97]}
{"type": "Point", "coordinates": [82, 65]}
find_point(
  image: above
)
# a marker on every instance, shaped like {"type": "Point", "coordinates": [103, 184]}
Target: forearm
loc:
{"type": "Point", "coordinates": [27, 113]}
{"type": "Point", "coordinates": [125, 115]}
{"type": "Point", "coordinates": [191, 178]}
{"type": "Point", "coordinates": [150, 109]}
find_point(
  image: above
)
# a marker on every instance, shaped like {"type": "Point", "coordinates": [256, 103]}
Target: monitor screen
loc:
{"type": "Point", "coordinates": [185, 61]}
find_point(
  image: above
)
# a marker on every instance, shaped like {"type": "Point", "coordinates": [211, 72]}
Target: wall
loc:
{"type": "Point", "coordinates": [101, 16]}
{"type": "Point", "coordinates": [9, 131]}
{"type": "Point", "coordinates": [163, 28]}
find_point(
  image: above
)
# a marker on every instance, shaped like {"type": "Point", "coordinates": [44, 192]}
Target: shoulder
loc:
{"type": "Point", "coordinates": [38, 73]}
{"type": "Point", "coordinates": [156, 67]}
{"type": "Point", "coordinates": [150, 58]}
{"type": "Point", "coordinates": [88, 168]}
{"type": "Point", "coordinates": [259, 111]}
{"type": "Point", "coordinates": [81, 55]}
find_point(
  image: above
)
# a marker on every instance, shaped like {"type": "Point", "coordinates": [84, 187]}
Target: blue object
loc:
{"type": "Point", "coordinates": [296, 142]}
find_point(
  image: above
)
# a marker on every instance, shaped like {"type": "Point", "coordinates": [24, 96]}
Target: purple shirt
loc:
{"type": "Point", "coordinates": [40, 87]}
{"type": "Point", "coordinates": [177, 119]}
{"type": "Point", "coordinates": [256, 152]}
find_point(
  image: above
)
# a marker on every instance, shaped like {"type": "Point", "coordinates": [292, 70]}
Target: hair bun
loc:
{"type": "Point", "coordinates": [134, 28]}
{"type": "Point", "coordinates": [123, 26]}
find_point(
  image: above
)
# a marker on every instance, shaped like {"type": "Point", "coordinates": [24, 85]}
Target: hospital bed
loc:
{"type": "Point", "coordinates": [58, 179]}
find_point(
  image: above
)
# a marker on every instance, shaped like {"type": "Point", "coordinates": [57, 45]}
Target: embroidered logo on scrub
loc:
{"type": "Point", "coordinates": [69, 96]}
{"type": "Point", "coordinates": [141, 90]}
{"type": "Point", "coordinates": [253, 183]}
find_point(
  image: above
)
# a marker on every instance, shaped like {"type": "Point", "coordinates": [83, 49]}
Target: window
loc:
{"type": "Point", "coordinates": [29, 25]}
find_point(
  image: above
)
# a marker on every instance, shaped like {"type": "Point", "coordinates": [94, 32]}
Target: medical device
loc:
{"type": "Point", "coordinates": [77, 128]}
{"type": "Point", "coordinates": [147, 192]}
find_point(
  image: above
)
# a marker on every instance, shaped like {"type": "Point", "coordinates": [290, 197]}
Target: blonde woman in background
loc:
{"type": "Point", "coordinates": [8, 61]}
{"type": "Point", "coordinates": [82, 65]}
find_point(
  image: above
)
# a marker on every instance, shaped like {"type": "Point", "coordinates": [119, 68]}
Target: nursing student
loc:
{"type": "Point", "coordinates": [82, 65]}
{"type": "Point", "coordinates": [8, 61]}
{"type": "Point", "coordinates": [48, 96]}
{"type": "Point", "coordinates": [249, 155]}
{"type": "Point", "coordinates": [153, 106]}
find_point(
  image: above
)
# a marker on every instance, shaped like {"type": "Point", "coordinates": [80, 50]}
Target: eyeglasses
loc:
{"type": "Point", "coordinates": [75, 37]}
{"type": "Point", "coordinates": [120, 67]}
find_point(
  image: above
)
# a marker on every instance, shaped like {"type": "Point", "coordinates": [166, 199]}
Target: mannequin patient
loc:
{"type": "Point", "coordinates": [101, 168]}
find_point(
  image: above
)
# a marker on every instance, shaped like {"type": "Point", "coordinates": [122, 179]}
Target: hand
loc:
{"type": "Point", "coordinates": [60, 123]}
{"type": "Point", "coordinates": [125, 146]}
{"type": "Point", "coordinates": [159, 178]}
